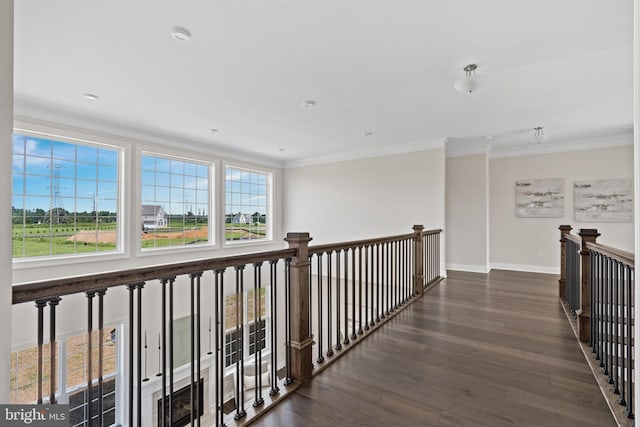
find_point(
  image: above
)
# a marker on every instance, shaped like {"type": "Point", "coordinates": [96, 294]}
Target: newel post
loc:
{"type": "Point", "coordinates": [564, 229]}
{"type": "Point", "coordinates": [588, 235]}
{"type": "Point", "coordinates": [418, 278]}
{"type": "Point", "coordinates": [301, 343]}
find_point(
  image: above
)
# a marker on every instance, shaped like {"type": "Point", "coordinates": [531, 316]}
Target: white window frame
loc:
{"type": "Point", "coordinates": [266, 318]}
{"type": "Point", "coordinates": [73, 137]}
{"type": "Point", "coordinates": [270, 174]}
{"type": "Point", "coordinates": [212, 222]}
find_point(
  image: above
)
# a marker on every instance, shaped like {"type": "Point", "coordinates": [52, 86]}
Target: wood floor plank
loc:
{"type": "Point", "coordinates": [478, 350]}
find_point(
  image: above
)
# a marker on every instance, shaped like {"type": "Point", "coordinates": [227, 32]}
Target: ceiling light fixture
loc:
{"type": "Point", "coordinates": [367, 133]}
{"type": "Point", "coordinates": [539, 135]}
{"type": "Point", "coordinates": [214, 130]}
{"type": "Point", "coordinates": [471, 81]}
{"type": "Point", "coordinates": [91, 96]}
{"type": "Point", "coordinates": [181, 34]}
{"type": "Point", "coordinates": [309, 103]}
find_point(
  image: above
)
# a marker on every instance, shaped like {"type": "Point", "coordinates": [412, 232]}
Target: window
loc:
{"type": "Point", "coordinates": [252, 334]}
{"type": "Point", "coordinates": [246, 204]}
{"type": "Point", "coordinates": [72, 359]}
{"type": "Point", "coordinates": [175, 202]}
{"type": "Point", "coordinates": [65, 197]}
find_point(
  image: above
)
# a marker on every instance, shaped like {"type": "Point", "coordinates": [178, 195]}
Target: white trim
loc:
{"type": "Point", "coordinates": [496, 152]}
{"type": "Point", "coordinates": [524, 267]}
{"type": "Point", "coordinates": [469, 268]}
{"type": "Point", "coordinates": [368, 153]}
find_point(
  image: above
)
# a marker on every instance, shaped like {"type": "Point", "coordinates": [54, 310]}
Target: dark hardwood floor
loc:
{"type": "Point", "coordinates": [490, 350]}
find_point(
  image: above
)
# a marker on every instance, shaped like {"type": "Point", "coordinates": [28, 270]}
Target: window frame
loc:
{"type": "Point", "coordinates": [185, 156]}
{"type": "Point", "coordinates": [77, 138]}
{"type": "Point", "coordinates": [266, 318]}
{"type": "Point", "coordinates": [270, 175]}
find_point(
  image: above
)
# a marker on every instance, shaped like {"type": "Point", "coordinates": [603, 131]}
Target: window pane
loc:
{"type": "Point", "coordinates": [61, 185]}
{"type": "Point", "coordinates": [171, 215]}
{"type": "Point", "coordinates": [246, 204]}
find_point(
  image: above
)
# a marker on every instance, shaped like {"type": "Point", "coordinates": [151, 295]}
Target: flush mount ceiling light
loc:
{"type": "Point", "coordinates": [367, 133]}
{"type": "Point", "coordinates": [214, 130]}
{"type": "Point", "coordinates": [538, 135]}
{"type": "Point", "coordinates": [309, 103]}
{"type": "Point", "coordinates": [91, 96]}
{"type": "Point", "coordinates": [181, 34]}
{"type": "Point", "coordinates": [471, 81]}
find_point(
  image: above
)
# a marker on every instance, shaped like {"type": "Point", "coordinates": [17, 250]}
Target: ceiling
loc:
{"type": "Point", "coordinates": [385, 67]}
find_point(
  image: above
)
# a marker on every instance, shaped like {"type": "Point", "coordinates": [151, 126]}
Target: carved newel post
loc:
{"type": "Point", "coordinates": [418, 278]}
{"type": "Point", "coordinates": [301, 342]}
{"type": "Point", "coordinates": [588, 235]}
{"type": "Point", "coordinates": [564, 229]}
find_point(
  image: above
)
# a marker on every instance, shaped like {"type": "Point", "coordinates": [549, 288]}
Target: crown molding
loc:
{"type": "Point", "coordinates": [561, 146]}
{"type": "Point", "coordinates": [369, 153]}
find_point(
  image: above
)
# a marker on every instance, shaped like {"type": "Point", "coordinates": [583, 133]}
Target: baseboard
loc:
{"type": "Point", "coordinates": [468, 268]}
{"type": "Point", "coordinates": [528, 268]}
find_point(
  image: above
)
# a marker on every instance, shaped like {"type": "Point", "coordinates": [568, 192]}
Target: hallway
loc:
{"type": "Point", "coordinates": [479, 349]}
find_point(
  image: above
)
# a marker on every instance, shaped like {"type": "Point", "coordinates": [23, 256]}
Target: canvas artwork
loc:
{"type": "Point", "coordinates": [607, 200]}
{"type": "Point", "coordinates": [540, 198]}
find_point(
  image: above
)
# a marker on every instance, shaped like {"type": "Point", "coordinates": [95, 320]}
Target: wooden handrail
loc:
{"type": "Point", "coordinates": [331, 247]}
{"type": "Point", "coordinates": [573, 238]}
{"type": "Point", "coordinates": [71, 285]}
{"type": "Point", "coordinates": [624, 257]}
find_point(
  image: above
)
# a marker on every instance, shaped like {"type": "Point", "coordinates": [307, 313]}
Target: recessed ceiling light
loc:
{"type": "Point", "coordinates": [181, 34]}
{"type": "Point", "coordinates": [281, 149]}
{"type": "Point", "coordinates": [487, 137]}
{"type": "Point", "coordinates": [214, 130]}
{"type": "Point", "coordinates": [309, 103]}
{"type": "Point", "coordinates": [91, 96]}
{"type": "Point", "coordinates": [367, 133]}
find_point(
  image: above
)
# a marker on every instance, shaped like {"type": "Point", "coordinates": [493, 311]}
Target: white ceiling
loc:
{"type": "Point", "coordinates": [378, 66]}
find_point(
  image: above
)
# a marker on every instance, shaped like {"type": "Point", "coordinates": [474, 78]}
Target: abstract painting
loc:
{"type": "Point", "coordinates": [540, 198]}
{"type": "Point", "coordinates": [607, 200]}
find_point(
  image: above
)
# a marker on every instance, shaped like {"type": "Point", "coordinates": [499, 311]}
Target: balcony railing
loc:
{"type": "Point", "coordinates": [318, 302]}
{"type": "Point", "coordinates": [597, 283]}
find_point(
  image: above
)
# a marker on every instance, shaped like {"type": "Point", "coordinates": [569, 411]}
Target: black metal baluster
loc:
{"type": "Point", "coordinates": [616, 345]}
{"type": "Point", "coordinates": [40, 304]}
{"type": "Point", "coordinates": [131, 289]}
{"type": "Point", "coordinates": [162, 349]}
{"type": "Point", "coordinates": [287, 288]}
{"type": "Point", "coordinates": [368, 278]}
{"type": "Point", "coordinates": [52, 348]}
{"type": "Point", "coordinates": [219, 343]}
{"type": "Point", "coordinates": [257, 314]}
{"type": "Point", "coordinates": [605, 354]}
{"type": "Point", "coordinates": [353, 295]}
{"type": "Point", "coordinates": [630, 361]}
{"type": "Point", "coordinates": [310, 297]}
{"type": "Point", "coordinates": [611, 314]}
{"type": "Point", "coordinates": [601, 328]}
{"type": "Point", "coordinates": [371, 285]}
{"type": "Point", "coordinates": [387, 285]}
{"type": "Point", "coordinates": [198, 347]}
{"type": "Point", "coordinates": [192, 371]}
{"type": "Point", "coordinates": [329, 303]}
{"type": "Point", "coordinates": [101, 293]}
{"type": "Point", "coordinates": [623, 319]}
{"type": "Point", "coordinates": [274, 327]}
{"type": "Point", "coordinates": [360, 330]}
{"type": "Point", "coordinates": [240, 411]}
{"type": "Point", "coordinates": [378, 270]}
{"type": "Point", "coordinates": [139, 361]}
{"type": "Point", "coordinates": [90, 296]}
{"type": "Point", "coordinates": [169, 348]}
{"type": "Point", "coordinates": [346, 297]}
{"type": "Point", "coordinates": [320, 351]}
{"type": "Point", "coordinates": [592, 303]}
{"type": "Point", "coordinates": [338, 312]}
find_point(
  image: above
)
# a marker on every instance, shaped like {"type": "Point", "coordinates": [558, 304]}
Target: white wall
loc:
{"type": "Point", "coordinates": [467, 205]}
{"type": "Point", "coordinates": [6, 129]}
{"type": "Point", "coordinates": [366, 198]}
{"type": "Point", "coordinates": [532, 243]}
